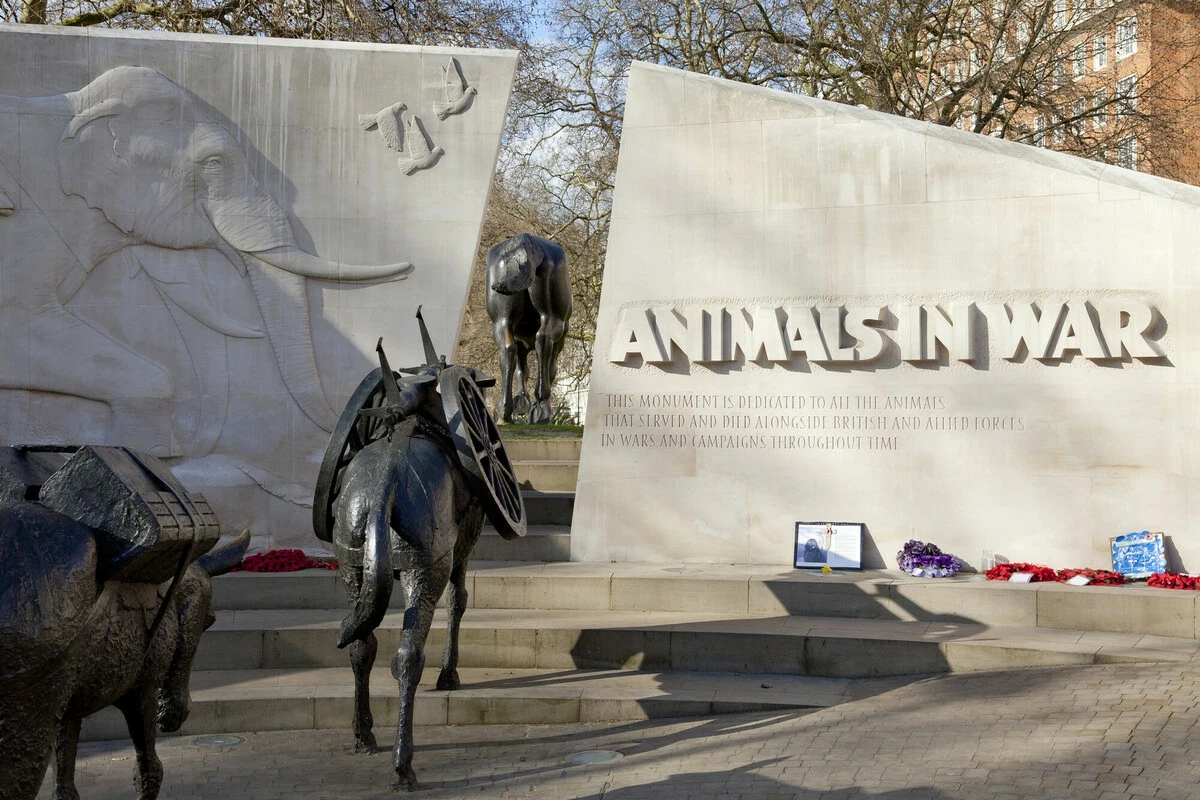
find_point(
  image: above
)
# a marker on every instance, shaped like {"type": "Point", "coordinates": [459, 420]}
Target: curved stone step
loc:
{"type": "Point", "coordinates": [756, 591]}
{"type": "Point", "coordinates": [676, 641]}
{"type": "Point", "coordinates": [540, 543]}
{"type": "Point", "coordinates": [229, 701]}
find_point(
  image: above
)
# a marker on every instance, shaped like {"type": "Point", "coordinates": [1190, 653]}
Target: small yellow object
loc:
{"type": "Point", "coordinates": [826, 569]}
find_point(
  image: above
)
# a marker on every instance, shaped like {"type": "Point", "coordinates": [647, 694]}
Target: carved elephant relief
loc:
{"type": "Point", "coordinates": [137, 171]}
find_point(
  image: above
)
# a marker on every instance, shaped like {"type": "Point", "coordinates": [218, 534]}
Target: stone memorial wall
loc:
{"type": "Point", "coordinates": [202, 238]}
{"type": "Point", "coordinates": [817, 312]}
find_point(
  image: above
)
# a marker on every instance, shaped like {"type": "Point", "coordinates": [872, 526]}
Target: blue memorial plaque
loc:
{"type": "Point", "coordinates": [1139, 555]}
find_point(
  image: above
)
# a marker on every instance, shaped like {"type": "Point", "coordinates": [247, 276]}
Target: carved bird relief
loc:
{"type": "Point", "coordinates": [419, 155]}
{"type": "Point", "coordinates": [6, 205]}
{"type": "Point", "coordinates": [388, 122]}
{"type": "Point", "coordinates": [458, 94]}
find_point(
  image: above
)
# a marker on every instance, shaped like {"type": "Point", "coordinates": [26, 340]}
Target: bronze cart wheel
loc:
{"type": "Point", "coordinates": [351, 434]}
{"type": "Point", "coordinates": [481, 451]}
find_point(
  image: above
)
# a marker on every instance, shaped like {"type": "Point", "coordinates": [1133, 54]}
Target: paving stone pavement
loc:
{"type": "Point", "coordinates": [1095, 732]}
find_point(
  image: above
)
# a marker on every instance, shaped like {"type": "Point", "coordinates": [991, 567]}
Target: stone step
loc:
{"type": "Point", "coordinates": [540, 543]}
{"type": "Point", "coordinates": [757, 591]}
{"type": "Point", "coordinates": [678, 641]}
{"type": "Point", "coordinates": [234, 701]}
{"type": "Point", "coordinates": [549, 508]}
{"type": "Point", "coordinates": [542, 449]}
{"type": "Point", "coordinates": [547, 476]}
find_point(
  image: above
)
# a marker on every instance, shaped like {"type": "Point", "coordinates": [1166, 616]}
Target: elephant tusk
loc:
{"type": "Point", "coordinates": [299, 262]}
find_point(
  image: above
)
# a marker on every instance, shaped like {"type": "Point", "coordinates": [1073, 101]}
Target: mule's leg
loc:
{"type": "Point", "coordinates": [141, 715]}
{"type": "Point", "coordinates": [456, 604]}
{"type": "Point", "coordinates": [421, 589]}
{"type": "Point", "coordinates": [362, 658]}
{"type": "Point", "coordinates": [548, 344]}
{"type": "Point", "coordinates": [64, 758]}
{"type": "Point", "coordinates": [27, 742]}
{"type": "Point", "coordinates": [521, 401]}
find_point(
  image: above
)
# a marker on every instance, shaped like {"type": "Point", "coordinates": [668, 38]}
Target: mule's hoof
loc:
{"type": "Point", "coordinates": [405, 781]}
{"type": "Point", "coordinates": [539, 414]}
{"type": "Point", "coordinates": [521, 404]}
{"type": "Point", "coordinates": [365, 745]}
{"type": "Point", "coordinates": [448, 681]}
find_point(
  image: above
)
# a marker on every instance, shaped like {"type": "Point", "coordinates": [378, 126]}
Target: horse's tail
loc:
{"type": "Point", "coordinates": [376, 590]}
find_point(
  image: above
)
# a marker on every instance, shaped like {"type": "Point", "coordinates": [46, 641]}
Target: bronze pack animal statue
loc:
{"type": "Point", "coordinates": [413, 466]}
{"type": "Point", "coordinates": [529, 302]}
{"type": "Point", "coordinates": [75, 637]}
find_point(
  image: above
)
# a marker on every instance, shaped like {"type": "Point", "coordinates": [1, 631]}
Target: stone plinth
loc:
{"type": "Point", "coordinates": [814, 312]}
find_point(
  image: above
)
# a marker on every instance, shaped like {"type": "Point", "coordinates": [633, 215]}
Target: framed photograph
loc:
{"type": "Point", "coordinates": [1139, 555]}
{"type": "Point", "coordinates": [837, 545]}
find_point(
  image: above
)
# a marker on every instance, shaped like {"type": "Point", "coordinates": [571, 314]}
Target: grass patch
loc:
{"type": "Point", "coordinates": [541, 431]}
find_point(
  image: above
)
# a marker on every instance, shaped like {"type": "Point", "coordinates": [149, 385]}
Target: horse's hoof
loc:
{"type": "Point", "coordinates": [405, 781]}
{"type": "Point", "coordinates": [365, 746]}
{"type": "Point", "coordinates": [539, 414]}
{"type": "Point", "coordinates": [448, 681]}
{"type": "Point", "coordinates": [521, 404]}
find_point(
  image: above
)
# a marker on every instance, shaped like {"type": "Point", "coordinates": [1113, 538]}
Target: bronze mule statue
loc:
{"type": "Point", "coordinates": [412, 467]}
{"type": "Point", "coordinates": [529, 301]}
{"type": "Point", "coordinates": [71, 645]}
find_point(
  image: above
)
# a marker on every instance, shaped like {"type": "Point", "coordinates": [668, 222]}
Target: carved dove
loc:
{"type": "Point", "coordinates": [6, 205]}
{"type": "Point", "coordinates": [388, 122]}
{"type": "Point", "coordinates": [454, 87]}
{"type": "Point", "coordinates": [419, 155]}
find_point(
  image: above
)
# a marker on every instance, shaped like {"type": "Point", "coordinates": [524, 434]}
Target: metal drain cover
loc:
{"type": "Point", "coordinates": [214, 742]}
{"type": "Point", "coordinates": [591, 757]}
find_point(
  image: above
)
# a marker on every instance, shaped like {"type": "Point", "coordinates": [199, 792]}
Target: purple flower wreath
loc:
{"type": "Point", "coordinates": [927, 560]}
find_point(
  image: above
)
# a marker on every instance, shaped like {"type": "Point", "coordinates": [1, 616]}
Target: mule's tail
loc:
{"type": "Point", "coordinates": [376, 591]}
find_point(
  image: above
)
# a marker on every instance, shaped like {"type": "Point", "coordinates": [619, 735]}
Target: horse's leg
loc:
{"type": "Point", "coordinates": [141, 715]}
{"type": "Point", "coordinates": [422, 587]}
{"type": "Point", "coordinates": [64, 755]}
{"type": "Point", "coordinates": [502, 332]}
{"type": "Point", "coordinates": [521, 401]}
{"type": "Point", "coordinates": [548, 344]}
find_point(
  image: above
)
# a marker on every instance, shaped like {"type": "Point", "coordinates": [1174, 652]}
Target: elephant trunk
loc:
{"type": "Point", "coordinates": [282, 299]}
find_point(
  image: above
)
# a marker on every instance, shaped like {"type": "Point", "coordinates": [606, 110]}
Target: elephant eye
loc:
{"type": "Point", "coordinates": [212, 162]}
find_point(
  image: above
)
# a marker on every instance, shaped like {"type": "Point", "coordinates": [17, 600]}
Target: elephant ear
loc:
{"type": "Point", "coordinates": [94, 163]}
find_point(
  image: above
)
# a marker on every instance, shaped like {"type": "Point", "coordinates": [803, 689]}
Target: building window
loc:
{"type": "Point", "coordinates": [1126, 37]}
{"type": "Point", "coordinates": [1057, 135]}
{"type": "Point", "coordinates": [1100, 106]}
{"type": "Point", "coordinates": [1079, 60]}
{"type": "Point", "coordinates": [1127, 96]}
{"type": "Point", "coordinates": [1060, 14]}
{"type": "Point", "coordinates": [1100, 50]}
{"type": "Point", "coordinates": [1060, 73]}
{"type": "Point", "coordinates": [1078, 115]}
{"type": "Point", "coordinates": [1022, 33]}
{"type": "Point", "coordinates": [1039, 131]}
{"type": "Point", "coordinates": [1127, 153]}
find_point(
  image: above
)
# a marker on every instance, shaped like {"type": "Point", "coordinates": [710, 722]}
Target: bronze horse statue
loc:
{"type": "Point", "coordinates": [529, 301]}
{"type": "Point", "coordinates": [412, 467]}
